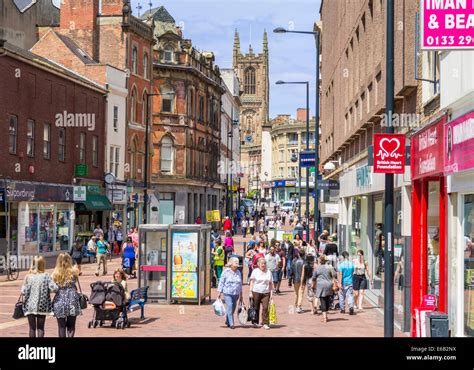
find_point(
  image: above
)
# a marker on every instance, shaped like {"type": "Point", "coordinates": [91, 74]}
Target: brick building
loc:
{"type": "Point", "coordinates": [186, 124]}
{"type": "Point", "coordinates": [106, 33]}
{"type": "Point", "coordinates": [38, 164]}
{"type": "Point", "coordinates": [352, 110]}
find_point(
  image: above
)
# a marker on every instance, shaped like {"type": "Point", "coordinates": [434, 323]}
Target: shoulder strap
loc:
{"type": "Point", "coordinates": [79, 285]}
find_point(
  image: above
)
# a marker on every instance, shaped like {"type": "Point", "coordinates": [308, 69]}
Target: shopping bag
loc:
{"type": "Point", "coordinates": [272, 314]}
{"type": "Point", "coordinates": [242, 314]}
{"type": "Point", "coordinates": [252, 312]}
{"type": "Point", "coordinates": [218, 307]}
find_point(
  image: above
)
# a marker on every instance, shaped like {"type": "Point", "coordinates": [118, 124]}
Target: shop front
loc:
{"type": "Point", "coordinates": [361, 223]}
{"type": "Point", "coordinates": [284, 190]}
{"type": "Point", "coordinates": [459, 168]}
{"type": "Point", "coordinates": [92, 211]}
{"type": "Point", "coordinates": [39, 218]}
{"type": "Point", "coordinates": [429, 200]}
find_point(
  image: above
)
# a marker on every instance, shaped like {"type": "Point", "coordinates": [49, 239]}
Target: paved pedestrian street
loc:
{"type": "Point", "coordinates": [190, 320]}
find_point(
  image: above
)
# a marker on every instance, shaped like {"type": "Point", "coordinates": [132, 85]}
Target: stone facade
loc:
{"type": "Point", "coordinates": [253, 73]}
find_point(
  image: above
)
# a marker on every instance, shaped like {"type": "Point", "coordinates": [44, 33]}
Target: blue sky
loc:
{"type": "Point", "coordinates": [210, 24]}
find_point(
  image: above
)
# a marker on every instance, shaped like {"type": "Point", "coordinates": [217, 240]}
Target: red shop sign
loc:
{"type": "Point", "coordinates": [389, 153]}
{"type": "Point", "coordinates": [459, 153]}
{"type": "Point", "coordinates": [427, 146]}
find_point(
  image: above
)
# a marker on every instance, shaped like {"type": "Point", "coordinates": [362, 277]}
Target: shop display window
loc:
{"type": "Point", "coordinates": [433, 238]}
{"type": "Point", "coordinates": [468, 226]}
{"type": "Point", "coordinates": [63, 223]}
{"type": "Point", "coordinates": [46, 228]}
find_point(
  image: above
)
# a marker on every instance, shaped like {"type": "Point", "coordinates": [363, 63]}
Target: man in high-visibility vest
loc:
{"type": "Point", "coordinates": [218, 259]}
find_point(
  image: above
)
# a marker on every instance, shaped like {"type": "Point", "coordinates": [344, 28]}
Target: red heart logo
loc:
{"type": "Point", "coordinates": [390, 146]}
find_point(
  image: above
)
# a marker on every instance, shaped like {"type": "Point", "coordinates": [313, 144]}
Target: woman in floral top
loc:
{"type": "Point", "coordinates": [66, 305]}
{"type": "Point", "coordinates": [36, 290]}
{"type": "Point", "coordinates": [230, 285]}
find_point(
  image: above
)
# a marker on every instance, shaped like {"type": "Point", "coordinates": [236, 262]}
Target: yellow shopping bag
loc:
{"type": "Point", "coordinates": [272, 313]}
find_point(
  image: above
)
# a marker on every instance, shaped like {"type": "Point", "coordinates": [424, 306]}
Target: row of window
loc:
{"type": "Point", "coordinates": [47, 141]}
{"type": "Point", "coordinates": [146, 66]}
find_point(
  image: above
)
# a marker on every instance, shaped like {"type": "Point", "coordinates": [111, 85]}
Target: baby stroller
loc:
{"type": "Point", "coordinates": [109, 304]}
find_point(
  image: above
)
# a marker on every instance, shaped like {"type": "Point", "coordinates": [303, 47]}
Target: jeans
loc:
{"type": "Point", "coordinates": [346, 291]}
{"type": "Point", "coordinates": [231, 305]}
{"type": "Point", "coordinates": [276, 276]}
{"type": "Point", "coordinates": [288, 270]}
{"type": "Point", "coordinates": [244, 231]}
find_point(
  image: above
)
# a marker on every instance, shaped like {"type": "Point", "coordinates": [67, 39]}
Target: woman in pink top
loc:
{"type": "Point", "coordinates": [228, 246]}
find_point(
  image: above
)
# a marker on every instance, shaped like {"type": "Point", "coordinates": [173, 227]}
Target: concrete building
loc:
{"type": "Point", "coordinates": [229, 164]}
{"type": "Point", "coordinates": [186, 130]}
{"type": "Point", "coordinates": [288, 139]}
{"type": "Point", "coordinates": [252, 70]}
{"type": "Point", "coordinates": [352, 111]}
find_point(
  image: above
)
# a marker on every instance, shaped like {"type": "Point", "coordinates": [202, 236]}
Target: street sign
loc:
{"type": "Point", "coordinates": [328, 184]}
{"type": "Point", "coordinates": [447, 25]}
{"type": "Point", "coordinates": [389, 153]}
{"type": "Point", "coordinates": [308, 159]}
{"type": "Point", "coordinates": [370, 160]}
{"type": "Point", "coordinates": [248, 138]}
{"type": "Point", "coordinates": [79, 194]}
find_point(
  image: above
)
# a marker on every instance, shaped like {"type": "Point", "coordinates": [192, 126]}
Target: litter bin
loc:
{"type": "Point", "coordinates": [437, 324]}
{"type": "Point", "coordinates": [241, 262]}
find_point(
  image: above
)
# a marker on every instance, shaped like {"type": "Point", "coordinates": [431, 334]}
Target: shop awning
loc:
{"type": "Point", "coordinates": [95, 203]}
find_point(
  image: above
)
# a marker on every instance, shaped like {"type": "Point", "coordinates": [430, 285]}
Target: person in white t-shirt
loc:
{"type": "Point", "coordinates": [261, 288]}
{"type": "Point", "coordinates": [252, 226]}
{"type": "Point", "coordinates": [244, 225]}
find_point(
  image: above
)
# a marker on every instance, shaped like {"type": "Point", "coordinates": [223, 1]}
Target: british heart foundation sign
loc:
{"type": "Point", "coordinates": [389, 153]}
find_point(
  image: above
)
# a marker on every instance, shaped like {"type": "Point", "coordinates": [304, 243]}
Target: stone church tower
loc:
{"type": "Point", "coordinates": [252, 70]}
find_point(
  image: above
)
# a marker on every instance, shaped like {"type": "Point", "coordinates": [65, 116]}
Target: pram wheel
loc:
{"type": "Point", "coordinates": [128, 324]}
{"type": "Point", "coordinates": [101, 324]}
{"type": "Point", "coordinates": [95, 323]}
{"type": "Point", "coordinates": [89, 325]}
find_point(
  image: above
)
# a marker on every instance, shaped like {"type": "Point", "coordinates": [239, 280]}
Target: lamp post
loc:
{"type": "Point", "coordinates": [307, 148]}
{"type": "Point", "coordinates": [317, 37]}
{"type": "Point", "coordinates": [147, 124]}
{"type": "Point", "coordinates": [294, 159]}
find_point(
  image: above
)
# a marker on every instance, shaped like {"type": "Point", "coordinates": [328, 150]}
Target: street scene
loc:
{"type": "Point", "coordinates": [269, 168]}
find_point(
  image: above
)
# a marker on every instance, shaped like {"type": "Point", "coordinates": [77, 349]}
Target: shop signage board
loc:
{"type": "Point", "coordinates": [20, 192]}
{"type": "Point", "coordinates": [213, 216]}
{"type": "Point", "coordinates": [328, 184]}
{"type": "Point", "coordinates": [459, 144]}
{"type": "Point", "coordinates": [427, 147]}
{"type": "Point", "coordinates": [81, 170]}
{"type": "Point", "coordinates": [79, 194]}
{"type": "Point", "coordinates": [389, 153]}
{"type": "Point", "coordinates": [447, 24]}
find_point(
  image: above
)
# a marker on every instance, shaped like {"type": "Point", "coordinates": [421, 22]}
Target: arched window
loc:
{"type": "Point", "coordinates": [145, 66]}
{"type": "Point", "coordinates": [191, 103]}
{"type": "Point", "coordinates": [133, 158]}
{"type": "Point", "coordinates": [144, 105]}
{"type": "Point", "coordinates": [249, 81]}
{"type": "Point", "coordinates": [133, 106]}
{"type": "Point", "coordinates": [167, 155]}
{"type": "Point", "coordinates": [167, 99]}
{"type": "Point", "coordinates": [135, 60]}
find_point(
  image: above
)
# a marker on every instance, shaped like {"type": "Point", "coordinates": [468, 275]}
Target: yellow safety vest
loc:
{"type": "Point", "coordinates": [219, 258]}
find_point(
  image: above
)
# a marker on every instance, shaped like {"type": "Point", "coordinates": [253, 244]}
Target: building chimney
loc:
{"type": "Point", "coordinates": [301, 114]}
{"type": "Point", "coordinates": [78, 21]}
{"type": "Point", "coordinates": [111, 7]}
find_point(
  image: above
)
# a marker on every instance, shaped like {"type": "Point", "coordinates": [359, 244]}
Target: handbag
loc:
{"type": "Point", "coordinates": [83, 299]}
{"type": "Point", "coordinates": [242, 314]}
{"type": "Point", "coordinates": [251, 312]}
{"type": "Point", "coordinates": [18, 312]}
{"type": "Point", "coordinates": [272, 315]}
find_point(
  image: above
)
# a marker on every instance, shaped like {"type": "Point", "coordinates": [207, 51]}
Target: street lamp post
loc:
{"type": "Point", "coordinates": [317, 37]}
{"type": "Point", "coordinates": [307, 148]}
{"type": "Point", "coordinates": [147, 124]}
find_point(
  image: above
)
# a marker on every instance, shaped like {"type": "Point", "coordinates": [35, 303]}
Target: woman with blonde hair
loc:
{"type": "Point", "coordinates": [66, 306]}
{"type": "Point", "coordinates": [36, 290]}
